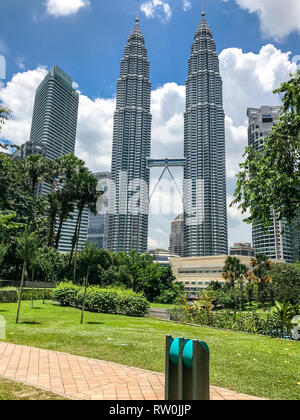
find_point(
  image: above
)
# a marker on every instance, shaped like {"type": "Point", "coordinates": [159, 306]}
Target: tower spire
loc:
{"type": "Point", "coordinates": [137, 19]}
{"type": "Point", "coordinates": [203, 8]}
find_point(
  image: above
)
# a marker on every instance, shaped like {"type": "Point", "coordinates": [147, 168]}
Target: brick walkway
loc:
{"type": "Point", "coordinates": [82, 378]}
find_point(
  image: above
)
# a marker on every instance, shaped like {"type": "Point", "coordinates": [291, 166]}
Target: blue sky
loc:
{"type": "Point", "coordinates": [89, 44]}
{"type": "Point", "coordinates": [256, 42]}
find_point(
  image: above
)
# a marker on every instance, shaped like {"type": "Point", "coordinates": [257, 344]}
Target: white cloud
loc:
{"type": "Point", "coordinates": [186, 5]}
{"type": "Point", "coordinates": [278, 18]}
{"type": "Point", "coordinates": [65, 7]}
{"type": "Point", "coordinates": [249, 79]}
{"type": "Point", "coordinates": [157, 8]}
{"type": "Point", "coordinates": [18, 94]}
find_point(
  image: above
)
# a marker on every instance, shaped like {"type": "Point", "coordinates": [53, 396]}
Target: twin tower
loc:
{"type": "Point", "coordinates": [204, 184]}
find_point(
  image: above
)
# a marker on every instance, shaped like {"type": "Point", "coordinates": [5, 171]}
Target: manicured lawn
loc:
{"type": "Point", "coordinates": [162, 305]}
{"type": "Point", "coordinates": [255, 365]}
{"type": "Point", "coordinates": [10, 390]}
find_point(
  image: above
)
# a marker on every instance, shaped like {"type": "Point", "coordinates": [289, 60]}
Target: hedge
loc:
{"type": "Point", "coordinates": [10, 294]}
{"type": "Point", "coordinates": [105, 300]}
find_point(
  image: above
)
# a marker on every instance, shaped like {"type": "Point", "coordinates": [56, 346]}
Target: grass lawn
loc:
{"type": "Point", "coordinates": [162, 305]}
{"type": "Point", "coordinates": [255, 365]}
{"type": "Point", "coordinates": [10, 390]}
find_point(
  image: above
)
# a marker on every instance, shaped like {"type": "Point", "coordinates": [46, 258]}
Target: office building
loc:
{"type": "Point", "coordinates": [98, 224]}
{"type": "Point", "coordinates": [128, 215]}
{"type": "Point", "coordinates": [244, 249]}
{"type": "Point", "coordinates": [54, 127]}
{"type": "Point", "coordinates": [177, 236]}
{"type": "Point", "coordinates": [205, 209]}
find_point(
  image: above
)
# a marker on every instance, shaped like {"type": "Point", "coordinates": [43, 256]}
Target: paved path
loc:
{"type": "Point", "coordinates": [82, 378]}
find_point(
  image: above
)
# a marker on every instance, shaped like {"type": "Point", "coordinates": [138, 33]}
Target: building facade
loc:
{"type": "Point", "coordinates": [177, 236]}
{"type": "Point", "coordinates": [205, 208]}
{"type": "Point", "coordinates": [54, 127]}
{"type": "Point", "coordinates": [244, 249]}
{"type": "Point", "coordinates": [277, 241]}
{"type": "Point", "coordinates": [28, 149]}
{"type": "Point", "coordinates": [129, 202]}
{"type": "Point", "coordinates": [196, 273]}
{"type": "Point", "coordinates": [98, 224]}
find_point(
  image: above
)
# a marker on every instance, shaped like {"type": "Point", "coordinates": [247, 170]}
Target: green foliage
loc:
{"type": "Point", "coordinates": [3, 251]}
{"type": "Point", "coordinates": [286, 282]}
{"type": "Point", "coordinates": [250, 322]}
{"type": "Point", "coordinates": [234, 270]}
{"type": "Point", "coordinates": [285, 312]}
{"type": "Point", "coordinates": [66, 294]}
{"type": "Point", "coordinates": [8, 295]}
{"type": "Point", "coordinates": [110, 300]}
{"type": "Point", "coordinates": [27, 245]}
{"type": "Point", "coordinates": [4, 115]}
{"type": "Point", "coordinates": [268, 183]}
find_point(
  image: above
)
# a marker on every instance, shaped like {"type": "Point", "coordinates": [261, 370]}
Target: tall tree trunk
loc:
{"type": "Point", "coordinates": [21, 290]}
{"type": "Point", "coordinates": [76, 249]}
{"type": "Point", "coordinates": [74, 240]}
{"type": "Point", "coordinates": [32, 279]}
{"type": "Point", "coordinates": [61, 221]}
{"type": "Point", "coordinates": [84, 296]}
{"type": "Point", "coordinates": [45, 288]}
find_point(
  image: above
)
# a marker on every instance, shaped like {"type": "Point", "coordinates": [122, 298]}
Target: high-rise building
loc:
{"type": "Point", "coordinates": [98, 224]}
{"type": "Point", "coordinates": [55, 112]}
{"type": "Point", "coordinates": [128, 216]}
{"type": "Point", "coordinates": [277, 240]}
{"type": "Point", "coordinates": [54, 127]}
{"type": "Point", "coordinates": [177, 236]}
{"type": "Point", "coordinates": [205, 209]}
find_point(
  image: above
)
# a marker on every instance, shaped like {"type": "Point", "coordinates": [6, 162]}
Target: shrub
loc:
{"type": "Point", "coordinates": [250, 322]}
{"type": "Point", "coordinates": [66, 294]}
{"type": "Point", "coordinates": [132, 304]}
{"type": "Point", "coordinates": [99, 300]}
{"type": "Point", "coordinates": [8, 295]}
{"type": "Point", "coordinates": [110, 300]}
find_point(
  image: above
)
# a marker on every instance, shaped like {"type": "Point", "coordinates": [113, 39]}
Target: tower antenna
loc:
{"type": "Point", "coordinates": [203, 7]}
{"type": "Point", "coordinates": [137, 11]}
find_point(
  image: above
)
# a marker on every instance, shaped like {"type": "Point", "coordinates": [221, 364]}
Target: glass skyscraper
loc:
{"type": "Point", "coordinates": [205, 208]}
{"type": "Point", "coordinates": [98, 224]}
{"type": "Point", "coordinates": [128, 214]}
{"type": "Point", "coordinates": [54, 126]}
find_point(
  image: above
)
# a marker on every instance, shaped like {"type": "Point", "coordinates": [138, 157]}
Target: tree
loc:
{"type": "Point", "coordinates": [234, 270]}
{"type": "Point", "coordinates": [4, 115]}
{"type": "Point", "coordinates": [3, 251]}
{"type": "Point", "coordinates": [84, 185]}
{"type": "Point", "coordinates": [268, 183]}
{"type": "Point", "coordinates": [286, 282]}
{"type": "Point", "coordinates": [47, 259]}
{"type": "Point", "coordinates": [261, 272]}
{"type": "Point", "coordinates": [27, 245]}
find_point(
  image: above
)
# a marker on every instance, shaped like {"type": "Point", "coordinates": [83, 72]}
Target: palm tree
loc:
{"type": "Point", "coordinates": [233, 270]}
{"type": "Point", "coordinates": [261, 265]}
{"type": "Point", "coordinates": [85, 191]}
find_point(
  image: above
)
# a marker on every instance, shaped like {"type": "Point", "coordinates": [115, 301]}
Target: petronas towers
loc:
{"type": "Point", "coordinates": [205, 213]}
{"type": "Point", "coordinates": [204, 186]}
{"type": "Point", "coordinates": [128, 218]}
